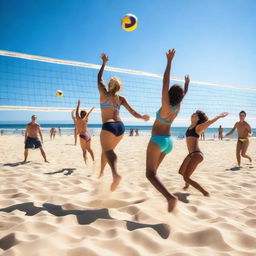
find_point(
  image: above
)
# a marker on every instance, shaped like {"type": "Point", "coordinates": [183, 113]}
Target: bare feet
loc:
{"type": "Point", "coordinates": [115, 183]}
{"type": "Point", "coordinates": [100, 175]}
{"type": "Point", "coordinates": [186, 186]}
{"type": "Point", "coordinates": [172, 203]}
{"type": "Point", "coordinates": [206, 193]}
{"type": "Point", "coordinates": [46, 161]}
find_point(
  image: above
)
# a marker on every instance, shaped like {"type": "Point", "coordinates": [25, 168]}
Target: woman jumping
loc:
{"type": "Point", "coordinates": [161, 142]}
{"type": "Point", "coordinates": [113, 128]}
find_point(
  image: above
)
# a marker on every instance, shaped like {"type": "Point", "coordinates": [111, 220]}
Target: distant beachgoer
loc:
{"type": "Point", "coordinates": [52, 133]}
{"type": "Point", "coordinates": [31, 138]}
{"type": "Point", "coordinates": [2, 132]}
{"type": "Point", "coordinates": [131, 132]}
{"type": "Point", "coordinates": [220, 135]}
{"type": "Point", "coordinates": [113, 128]}
{"type": "Point", "coordinates": [199, 123]}
{"type": "Point", "coordinates": [137, 132]}
{"type": "Point", "coordinates": [59, 129]}
{"type": "Point", "coordinates": [75, 130]}
{"type": "Point", "coordinates": [82, 129]}
{"type": "Point", "coordinates": [244, 132]}
{"type": "Point", "coordinates": [202, 136]}
{"type": "Point", "coordinates": [161, 142]}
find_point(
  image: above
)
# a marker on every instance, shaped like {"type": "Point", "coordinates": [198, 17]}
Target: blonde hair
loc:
{"type": "Point", "coordinates": [114, 85]}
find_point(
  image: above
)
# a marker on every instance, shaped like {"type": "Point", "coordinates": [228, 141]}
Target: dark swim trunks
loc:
{"type": "Point", "coordinates": [33, 143]}
{"type": "Point", "coordinates": [117, 128]}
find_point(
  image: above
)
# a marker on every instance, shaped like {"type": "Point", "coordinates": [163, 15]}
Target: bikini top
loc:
{"type": "Point", "coordinates": [107, 104]}
{"type": "Point", "coordinates": [158, 117]}
{"type": "Point", "coordinates": [192, 133]}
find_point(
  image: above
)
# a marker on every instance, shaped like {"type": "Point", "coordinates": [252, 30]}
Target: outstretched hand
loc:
{"type": "Point", "coordinates": [187, 79]}
{"type": "Point", "coordinates": [145, 117]}
{"type": "Point", "coordinates": [104, 58]}
{"type": "Point", "coordinates": [78, 102]}
{"type": "Point", "coordinates": [170, 54]}
{"type": "Point", "coordinates": [224, 114]}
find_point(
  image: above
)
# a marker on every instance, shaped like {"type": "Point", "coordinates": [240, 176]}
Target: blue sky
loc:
{"type": "Point", "coordinates": [215, 41]}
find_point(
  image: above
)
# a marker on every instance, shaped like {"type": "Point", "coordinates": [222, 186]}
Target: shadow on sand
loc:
{"type": "Point", "coordinates": [236, 168]}
{"type": "Point", "coordinates": [84, 217]}
{"type": "Point", "coordinates": [67, 171]}
{"type": "Point", "coordinates": [182, 197]}
{"type": "Point", "coordinates": [15, 164]}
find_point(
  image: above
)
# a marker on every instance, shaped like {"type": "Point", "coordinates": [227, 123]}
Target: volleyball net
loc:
{"type": "Point", "coordinates": [29, 82]}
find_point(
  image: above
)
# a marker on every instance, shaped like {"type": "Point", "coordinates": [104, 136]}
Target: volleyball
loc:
{"type": "Point", "coordinates": [129, 22]}
{"type": "Point", "coordinates": [59, 94]}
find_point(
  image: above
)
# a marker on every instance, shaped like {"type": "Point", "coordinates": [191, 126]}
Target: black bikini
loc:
{"type": "Point", "coordinates": [192, 133]}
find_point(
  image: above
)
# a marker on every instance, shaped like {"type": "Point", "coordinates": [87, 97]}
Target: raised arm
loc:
{"type": "Point", "coordinates": [166, 80]}
{"type": "Point", "coordinates": [72, 115]}
{"type": "Point", "coordinates": [133, 111]}
{"type": "Point", "coordinates": [77, 109]}
{"type": "Point", "coordinates": [187, 80]}
{"type": "Point", "coordinates": [101, 85]}
{"type": "Point", "coordinates": [232, 131]}
{"type": "Point", "coordinates": [87, 115]}
{"type": "Point", "coordinates": [201, 127]}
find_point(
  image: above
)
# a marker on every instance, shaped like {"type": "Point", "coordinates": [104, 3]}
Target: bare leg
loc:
{"type": "Point", "coordinates": [245, 146]}
{"type": "Point", "coordinates": [43, 154]}
{"type": "Point", "coordinates": [183, 168]}
{"type": "Point", "coordinates": [154, 158]}
{"type": "Point", "coordinates": [83, 147]}
{"type": "Point", "coordinates": [103, 164]}
{"type": "Point", "coordinates": [88, 148]}
{"type": "Point", "coordinates": [161, 158]}
{"type": "Point", "coordinates": [238, 152]}
{"type": "Point", "coordinates": [112, 160]}
{"type": "Point", "coordinates": [84, 156]}
{"type": "Point", "coordinates": [75, 136]}
{"type": "Point", "coordinates": [108, 142]}
{"type": "Point", "coordinates": [25, 154]}
{"type": "Point", "coordinates": [193, 163]}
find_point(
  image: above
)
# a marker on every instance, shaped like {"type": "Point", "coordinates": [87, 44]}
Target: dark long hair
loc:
{"type": "Point", "coordinates": [202, 117]}
{"type": "Point", "coordinates": [176, 94]}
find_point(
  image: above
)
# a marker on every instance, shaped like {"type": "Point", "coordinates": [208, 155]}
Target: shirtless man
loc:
{"type": "Point", "coordinates": [244, 131]}
{"type": "Point", "coordinates": [81, 122]}
{"type": "Point", "coordinates": [31, 138]}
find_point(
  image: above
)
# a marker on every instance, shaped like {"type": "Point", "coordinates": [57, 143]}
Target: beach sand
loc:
{"type": "Point", "coordinates": [62, 208]}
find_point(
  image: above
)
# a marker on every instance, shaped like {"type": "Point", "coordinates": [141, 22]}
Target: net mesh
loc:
{"type": "Point", "coordinates": [30, 82]}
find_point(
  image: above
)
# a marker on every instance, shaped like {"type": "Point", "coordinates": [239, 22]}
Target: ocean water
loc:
{"type": "Point", "coordinates": [68, 129]}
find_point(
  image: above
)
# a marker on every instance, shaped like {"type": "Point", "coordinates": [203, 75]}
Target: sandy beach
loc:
{"type": "Point", "coordinates": [62, 208]}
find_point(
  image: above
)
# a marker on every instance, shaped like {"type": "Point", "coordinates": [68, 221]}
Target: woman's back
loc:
{"type": "Point", "coordinates": [110, 108]}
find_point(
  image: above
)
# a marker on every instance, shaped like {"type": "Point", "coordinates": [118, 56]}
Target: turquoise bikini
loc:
{"type": "Point", "coordinates": [107, 104]}
{"type": "Point", "coordinates": [164, 142]}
